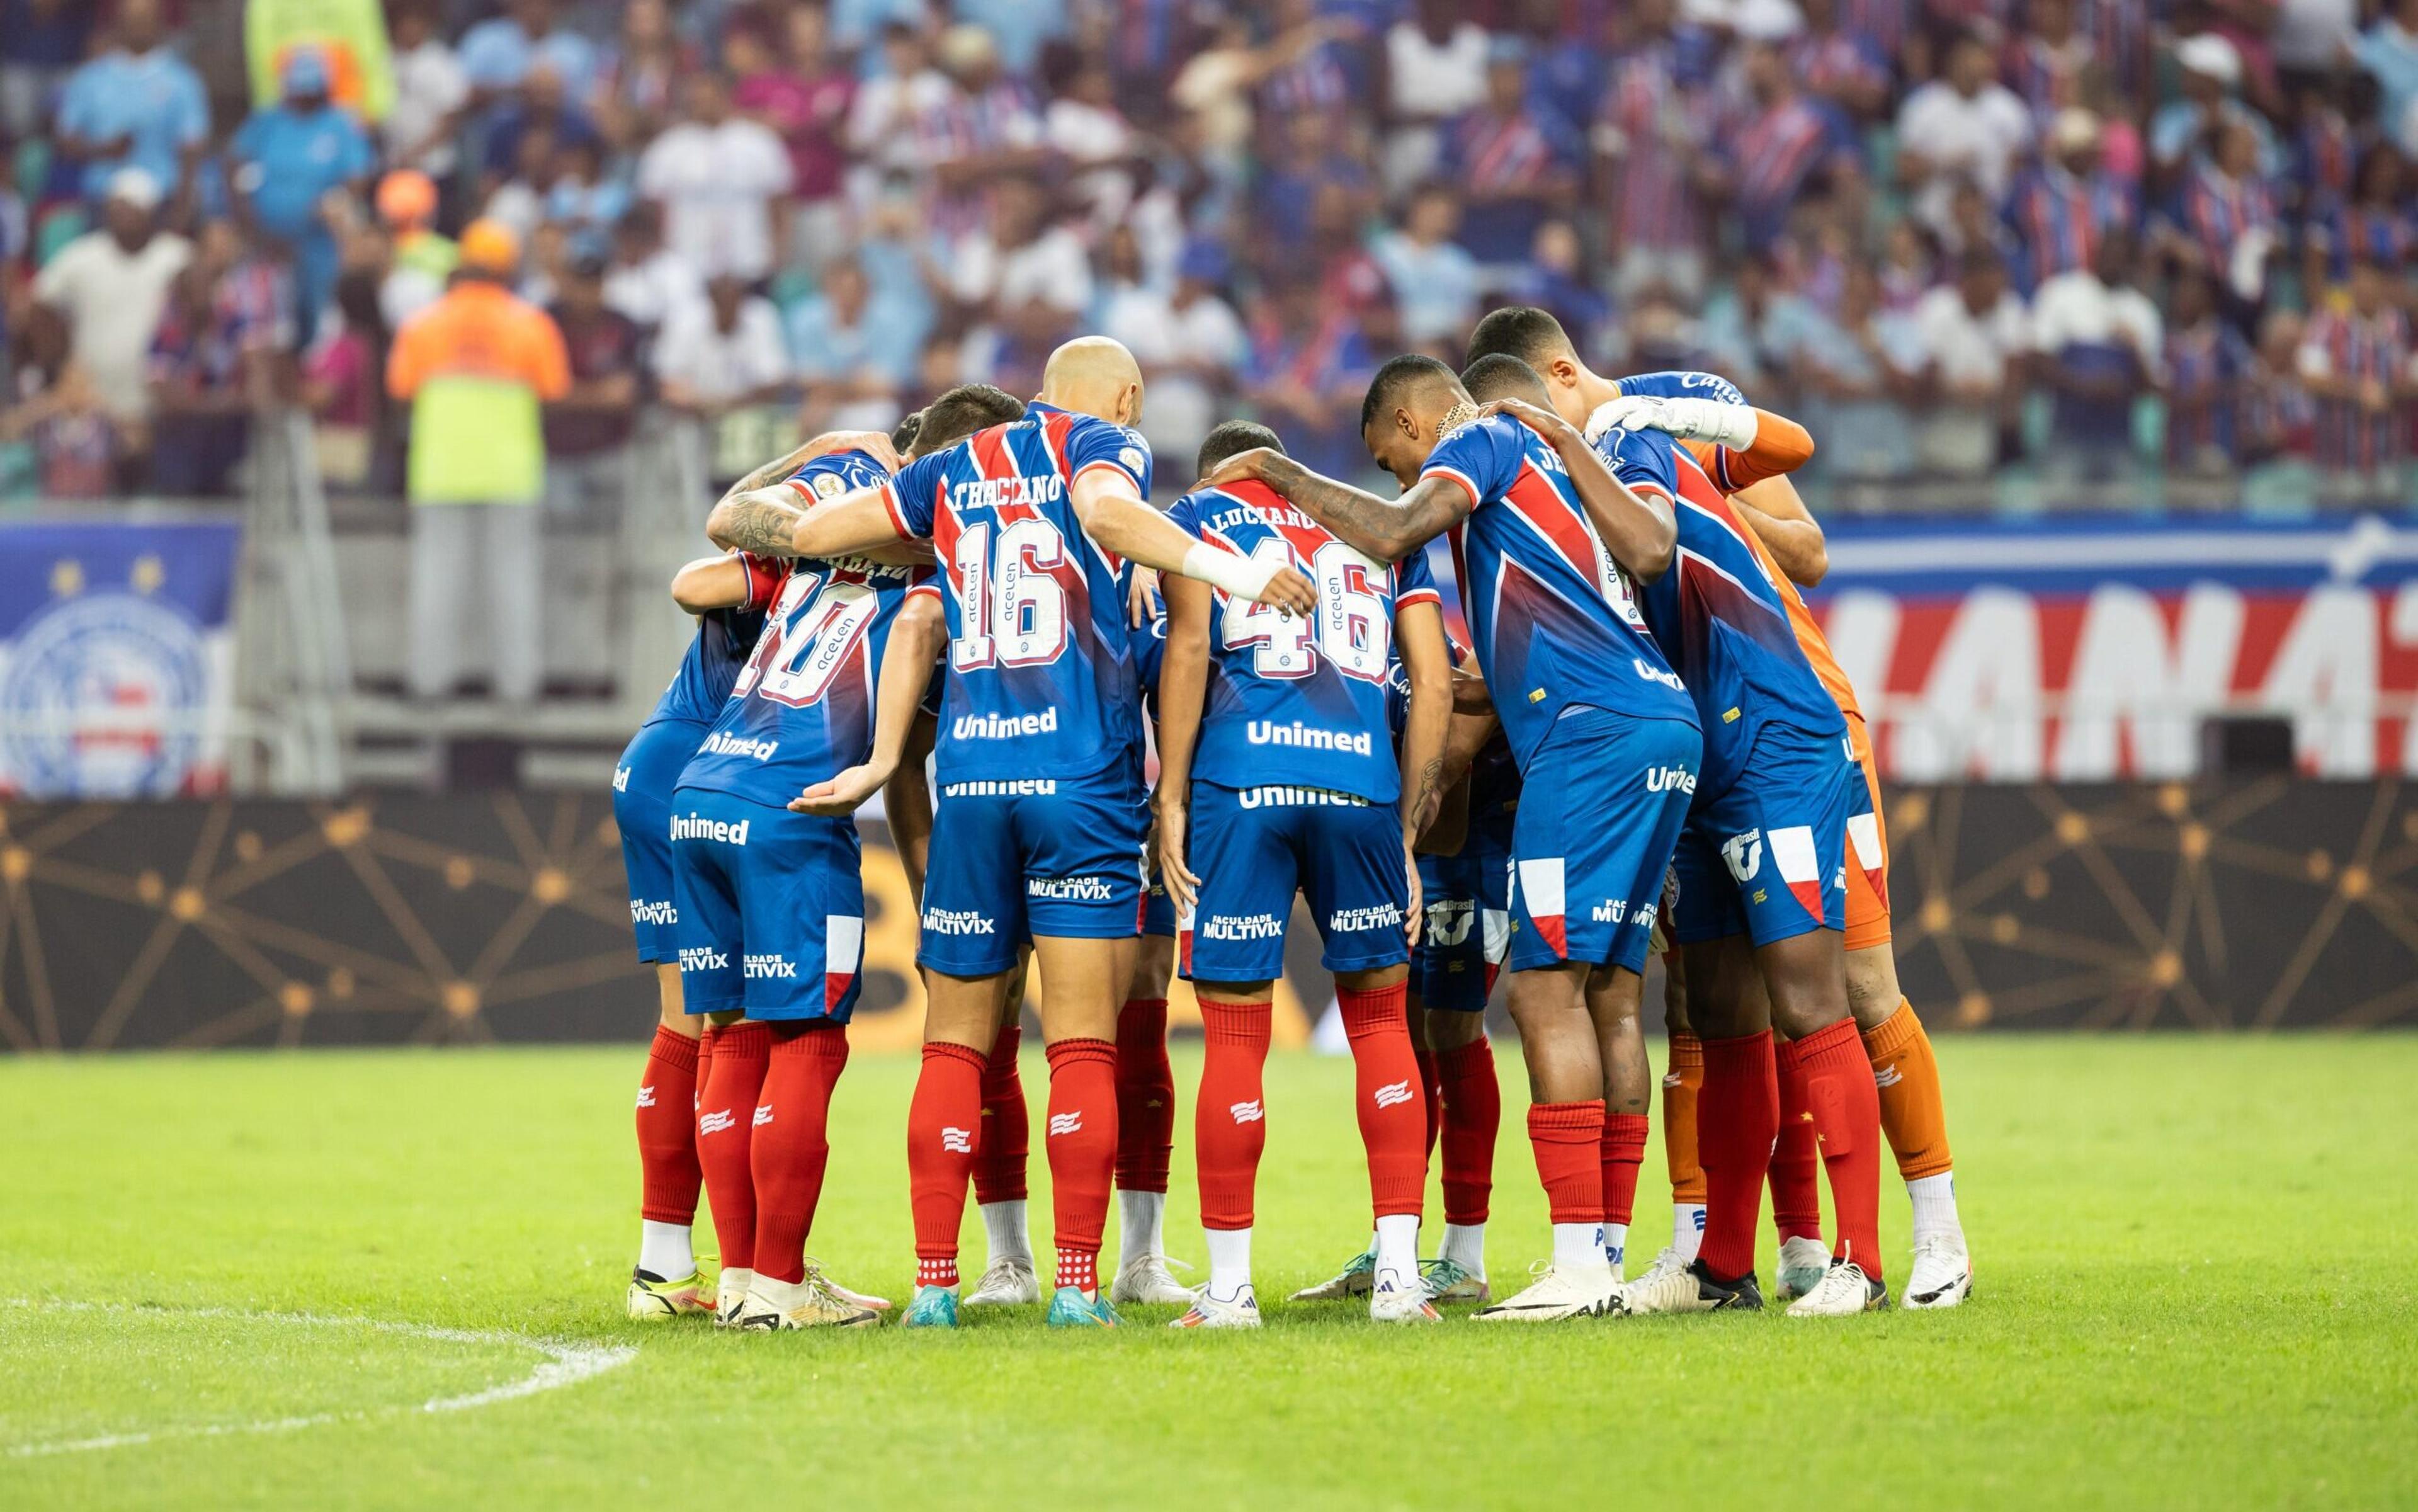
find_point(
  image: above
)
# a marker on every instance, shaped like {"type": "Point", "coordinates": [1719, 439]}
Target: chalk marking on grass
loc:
{"type": "Point", "coordinates": [566, 1364]}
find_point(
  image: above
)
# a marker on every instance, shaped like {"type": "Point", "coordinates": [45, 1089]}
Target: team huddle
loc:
{"type": "Point", "coordinates": [1645, 747]}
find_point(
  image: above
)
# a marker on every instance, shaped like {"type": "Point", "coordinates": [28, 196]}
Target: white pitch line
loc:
{"type": "Point", "coordinates": [567, 1365]}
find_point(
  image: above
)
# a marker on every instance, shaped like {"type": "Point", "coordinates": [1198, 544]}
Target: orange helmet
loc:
{"type": "Point", "coordinates": [490, 247]}
{"type": "Point", "coordinates": [406, 197]}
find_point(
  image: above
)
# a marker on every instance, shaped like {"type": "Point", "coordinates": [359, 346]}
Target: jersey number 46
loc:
{"type": "Point", "coordinates": [1350, 628]}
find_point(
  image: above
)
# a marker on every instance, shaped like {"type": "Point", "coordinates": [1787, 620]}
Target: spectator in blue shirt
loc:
{"type": "Point", "coordinates": [138, 104]}
{"type": "Point", "coordinates": [854, 353]}
{"type": "Point", "coordinates": [497, 54]}
{"type": "Point", "coordinates": [287, 160]}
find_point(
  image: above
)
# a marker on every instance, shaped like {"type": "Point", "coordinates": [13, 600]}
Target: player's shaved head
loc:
{"type": "Point", "coordinates": [1520, 330]}
{"type": "Point", "coordinates": [1533, 336]}
{"type": "Point", "coordinates": [1095, 376]}
{"type": "Point", "coordinates": [1406, 408]}
{"type": "Point", "coordinates": [962, 411]}
{"type": "Point", "coordinates": [1232, 438]}
{"type": "Point", "coordinates": [1502, 375]}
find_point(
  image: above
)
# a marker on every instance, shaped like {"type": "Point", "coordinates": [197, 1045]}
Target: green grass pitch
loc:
{"type": "Point", "coordinates": [2196, 1261]}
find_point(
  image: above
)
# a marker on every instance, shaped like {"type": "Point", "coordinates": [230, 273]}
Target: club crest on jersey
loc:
{"type": "Point", "coordinates": [828, 485]}
{"type": "Point", "coordinates": [1744, 854]}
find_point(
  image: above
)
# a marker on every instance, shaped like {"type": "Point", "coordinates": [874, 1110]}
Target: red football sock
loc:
{"type": "Point", "coordinates": [1002, 1146]}
{"type": "Point", "coordinates": [668, 1169]}
{"type": "Point", "coordinates": [1738, 1116]}
{"type": "Point", "coordinates": [725, 1121]}
{"type": "Point", "coordinates": [942, 1122]}
{"type": "Point", "coordinates": [1230, 1127]}
{"type": "Point", "coordinates": [1083, 1153]}
{"type": "Point", "coordinates": [1387, 1090]}
{"type": "Point", "coordinates": [1622, 1151]}
{"type": "Point", "coordinates": [1145, 1097]}
{"type": "Point", "coordinates": [1796, 1193]}
{"type": "Point", "coordinates": [1847, 1109]}
{"type": "Point", "coordinates": [1473, 1112]}
{"type": "Point", "coordinates": [1431, 1091]}
{"type": "Point", "coordinates": [792, 1143]}
{"type": "Point", "coordinates": [1567, 1138]}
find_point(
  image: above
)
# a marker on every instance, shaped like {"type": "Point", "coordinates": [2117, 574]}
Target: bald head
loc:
{"type": "Point", "coordinates": [1095, 376]}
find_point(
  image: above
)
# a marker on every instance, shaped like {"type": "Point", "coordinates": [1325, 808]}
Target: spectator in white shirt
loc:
{"type": "Point", "coordinates": [1971, 337]}
{"type": "Point", "coordinates": [1189, 343]}
{"type": "Point", "coordinates": [646, 280]}
{"type": "Point", "coordinates": [1435, 280]}
{"type": "Point", "coordinates": [1964, 125]}
{"type": "Point", "coordinates": [430, 93]}
{"type": "Point", "coordinates": [1085, 126]}
{"type": "Point", "coordinates": [2099, 339]}
{"type": "Point", "coordinates": [723, 182]}
{"type": "Point", "coordinates": [722, 355]}
{"type": "Point", "coordinates": [1034, 277]}
{"type": "Point", "coordinates": [1435, 68]}
{"type": "Point", "coordinates": [110, 287]}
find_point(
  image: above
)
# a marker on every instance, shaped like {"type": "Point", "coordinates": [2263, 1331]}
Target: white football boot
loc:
{"type": "Point", "coordinates": [1943, 1272]}
{"type": "Point", "coordinates": [1208, 1312]}
{"type": "Point", "coordinates": [1146, 1278]}
{"type": "Point", "coordinates": [730, 1294]}
{"type": "Point", "coordinates": [1803, 1262]}
{"type": "Point", "coordinates": [1005, 1283]}
{"type": "Point", "coordinates": [1559, 1292]}
{"type": "Point", "coordinates": [1845, 1291]}
{"type": "Point", "coordinates": [811, 1303]}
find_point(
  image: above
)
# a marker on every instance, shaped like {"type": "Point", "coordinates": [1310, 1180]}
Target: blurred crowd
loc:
{"type": "Point", "coordinates": [2082, 238]}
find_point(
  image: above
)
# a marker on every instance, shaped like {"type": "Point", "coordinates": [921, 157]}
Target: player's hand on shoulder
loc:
{"type": "Point", "coordinates": [1543, 421]}
{"type": "Point", "coordinates": [1237, 468]}
{"type": "Point", "coordinates": [843, 795]}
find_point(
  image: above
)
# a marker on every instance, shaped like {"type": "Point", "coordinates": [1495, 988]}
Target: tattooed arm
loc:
{"type": "Point", "coordinates": [759, 520]}
{"type": "Point", "coordinates": [1389, 530]}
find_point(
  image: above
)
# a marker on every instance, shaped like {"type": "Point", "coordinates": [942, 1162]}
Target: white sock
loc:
{"type": "Point", "coordinates": [1615, 1243]}
{"type": "Point", "coordinates": [1139, 1216]}
{"type": "Point", "coordinates": [663, 1250]}
{"type": "Point", "coordinates": [1464, 1245]}
{"type": "Point", "coordinates": [1687, 1228]}
{"type": "Point", "coordinates": [1230, 1262]}
{"type": "Point", "coordinates": [1578, 1245]}
{"type": "Point", "coordinates": [1397, 1247]}
{"type": "Point", "coordinates": [1004, 1223]}
{"type": "Point", "coordinates": [1935, 1205]}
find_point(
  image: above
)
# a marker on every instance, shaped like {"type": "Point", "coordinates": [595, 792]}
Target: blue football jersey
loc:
{"type": "Point", "coordinates": [1041, 660]}
{"type": "Point", "coordinates": [1553, 617]}
{"type": "Point", "coordinates": [726, 637]}
{"type": "Point", "coordinates": [802, 707]}
{"type": "Point", "coordinates": [1718, 614]}
{"type": "Point", "coordinates": [1291, 699]}
{"type": "Point", "coordinates": [1681, 385]}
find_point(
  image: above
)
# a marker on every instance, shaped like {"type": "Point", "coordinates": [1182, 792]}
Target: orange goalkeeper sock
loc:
{"type": "Point", "coordinates": [1907, 1074]}
{"type": "Point", "coordinates": [1680, 1085]}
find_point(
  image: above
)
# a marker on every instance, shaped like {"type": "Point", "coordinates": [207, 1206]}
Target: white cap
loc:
{"type": "Point", "coordinates": [136, 186]}
{"type": "Point", "coordinates": [2074, 127]}
{"type": "Point", "coordinates": [2210, 54]}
